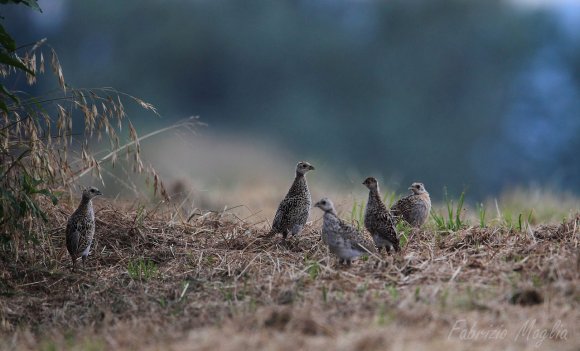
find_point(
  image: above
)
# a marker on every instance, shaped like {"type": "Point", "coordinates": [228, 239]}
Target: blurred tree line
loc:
{"type": "Point", "coordinates": [476, 94]}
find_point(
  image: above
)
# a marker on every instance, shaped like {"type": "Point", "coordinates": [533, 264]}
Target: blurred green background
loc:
{"type": "Point", "coordinates": [476, 95]}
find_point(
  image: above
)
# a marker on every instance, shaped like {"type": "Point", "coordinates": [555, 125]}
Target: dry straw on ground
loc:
{"type": "Point", "coordinates": [216, 285]}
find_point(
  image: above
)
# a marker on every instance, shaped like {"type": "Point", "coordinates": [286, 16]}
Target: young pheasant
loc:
{"type": "Point", "coordinates": [293, 211]}
{"type": "Point", "coordinates": [414, 208]}
{"type": "Point", "coordinates": [342, 239]}
{"type": "Point", "coordinates": [378, 219]}
{"type": "Point", "coordinates": [80, 227]}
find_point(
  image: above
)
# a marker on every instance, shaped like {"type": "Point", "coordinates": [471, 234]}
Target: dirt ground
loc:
{"type": "Point", "coordinates": [161, 283]}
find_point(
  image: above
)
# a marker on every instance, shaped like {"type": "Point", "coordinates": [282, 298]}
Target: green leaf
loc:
{"type": "Point", "coordinates": [30, 3]}
{"type": "Point", "coordinates": [17, 161]}
{"type": "Point", "coordinates": [8, 195]}
{"type": "Point", "coordinates": [11, 61]}
{"type": "Point", "coordinates": [33, 4]}
{"type": "Point", "coordinates": [9, 94]}
{"type": "Point", "coordinates": [6, 40]}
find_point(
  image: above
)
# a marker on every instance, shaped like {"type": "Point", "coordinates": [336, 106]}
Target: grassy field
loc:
{"type": "Point", "coordinates": [193, 273]}
{"type": "Point", "coordinates": [158, 281]}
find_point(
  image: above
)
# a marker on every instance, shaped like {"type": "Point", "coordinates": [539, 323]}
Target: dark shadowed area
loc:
{"type": "Point", "coordinates": [476, 95]}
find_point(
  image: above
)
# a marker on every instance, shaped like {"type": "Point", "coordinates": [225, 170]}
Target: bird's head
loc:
{"type": "Point", "coordinates": [90, 192]}
{"type": "Point", "coordinates": [302, 167]}
{"type": "Point", "coordinates": [325, 204]}
{"type": "Point", "coordinates": [371, 183]}
{"type": "Point", "coordinates": [417, 188]}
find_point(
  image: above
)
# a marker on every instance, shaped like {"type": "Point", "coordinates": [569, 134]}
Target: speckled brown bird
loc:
{"type": "Point", "coordinates": [342, 239]}
{"type": "Point", "coordinates": [414, 208]}
{"type": "Point", "coordinates": [378, 219]}
{"type": "Point", "coordinates": [293, 211]}
{"type": "Point", "coordinates": [80, 228]}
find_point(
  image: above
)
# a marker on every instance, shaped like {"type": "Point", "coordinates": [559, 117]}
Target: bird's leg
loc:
{"type": "Point", "coordinates": [84, 258]}
{"type": "Point", "coordinates": [73, 263]}
{"type": "Point", "coordinates": [349, 262]}
{"type": "Point", "coordinates": [284, 237]}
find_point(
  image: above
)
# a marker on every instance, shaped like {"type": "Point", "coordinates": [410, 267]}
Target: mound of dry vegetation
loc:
{"type": "Point", "coordinates": [154, 281]}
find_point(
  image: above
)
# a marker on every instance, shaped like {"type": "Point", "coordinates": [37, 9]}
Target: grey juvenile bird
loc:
{"type": "Point", "coordinates": [293, 211]}
{"type": "Point", "coordinates": [80, 228]}
{"type": "Point", "coordinates": [378, 219]}
{"type": "Point", "coordinates": [342, 239]}
{"type": "Point", "coordinates": [414, 208]}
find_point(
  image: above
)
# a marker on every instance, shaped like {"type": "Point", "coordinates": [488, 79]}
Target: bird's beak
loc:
{"type": "Point", "coordinates": [311, 167]}
{"type": "Point", "coordinates": [410, 188]}
{"type": "Point", "coordinates": [99, 192]}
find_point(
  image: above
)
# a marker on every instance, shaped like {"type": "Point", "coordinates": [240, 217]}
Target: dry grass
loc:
{"type": "Point", "coordinates": [51, 140]}
{"type": "Point", "coordinates": [215, 277]}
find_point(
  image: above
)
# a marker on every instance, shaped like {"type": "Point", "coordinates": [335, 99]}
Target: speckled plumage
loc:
{"type": "Point", "coordinates": [414, 208]}
{"type": "Point", "coordinates": [293, 211]}
{"type": "Point", "coordinates": [80, 228]}
{"type": "Point", "coordinates": [342, 239]}
{"type": "Point", "coordinates": [378, 219]}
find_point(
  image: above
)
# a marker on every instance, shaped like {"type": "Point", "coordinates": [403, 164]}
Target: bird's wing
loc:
{"type": "Point", "coordinates": [402, 205]}
{"type": "Point", "coordinates": [387, 225]}
{"type": "Point", "coordinates": [356, 239]}
{"type": "Point", "coordinates": [278, 217]}
{"type": "Point", "coordinates": [76, 238]}
{"type": "Point", "coordinates": [346, 230]}
{"type": "Point", "coordinates": [386, 215]}
{"type": "Point", "coordinates": [364, 245]}
{"type": "Point", "coordinates": [283, 212]}
{"type": "Point", "coordinates": [72, 241]}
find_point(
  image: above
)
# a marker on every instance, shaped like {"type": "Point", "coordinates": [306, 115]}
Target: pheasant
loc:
{"type": "Point", "coordinates": [293, 211]}
{"type": "Point", "coordinates": [414, 208]}
{"type": "Point", "coordinates": [80, 228]}
{"type": "Point", "coordinates": [342, 239]}
{"type": "Point", "coordinates": [378, 219]}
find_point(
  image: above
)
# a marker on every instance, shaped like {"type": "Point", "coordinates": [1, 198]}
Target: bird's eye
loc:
{"type": "Point", "coordinates": [92, 190]}
{"type": "Point", "coordinates": [323, 202]}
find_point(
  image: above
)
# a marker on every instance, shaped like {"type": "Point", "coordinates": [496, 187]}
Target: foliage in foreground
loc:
{"type": "Point", "coordinates": [48, 142]}
{"type": "Point", "coordinates": [453, 221]}
{"type": "Point", "coordinates": [141, 269]}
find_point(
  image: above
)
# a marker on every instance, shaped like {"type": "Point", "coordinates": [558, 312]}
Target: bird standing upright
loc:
{"type": "Point", "coordinates": [80, 228]}
{"type": "Point", "coordinates": [378, 219]}
{"type": "Point", "coordinates": [413, 208]}
{"type": "Point", "coordinates": [293, 211]}
{"type": "Point", "coordinates": [342, 239]}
